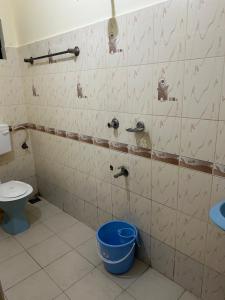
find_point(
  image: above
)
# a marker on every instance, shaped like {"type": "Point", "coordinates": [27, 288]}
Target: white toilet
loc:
{"type": "Point", "coordinates": [13, 199]}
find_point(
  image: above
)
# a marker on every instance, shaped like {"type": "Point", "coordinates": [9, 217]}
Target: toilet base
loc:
{"type": "Point", "coordinates": [15, 220]}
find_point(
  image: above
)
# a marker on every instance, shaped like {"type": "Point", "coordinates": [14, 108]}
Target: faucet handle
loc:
{"type": "Point", "coordinates": [140, 127]}
{"type": "Point", "coordinates": [114, 124]}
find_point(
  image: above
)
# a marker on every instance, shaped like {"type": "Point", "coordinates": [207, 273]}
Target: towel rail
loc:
{"type": "Point", "coordinates": [75, 51]}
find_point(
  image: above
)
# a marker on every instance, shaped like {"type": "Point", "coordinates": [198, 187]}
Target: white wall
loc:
{"type": "Point", "coordinates": [39, 19]}
{"type": "Point", "coordinates": [8, 23]}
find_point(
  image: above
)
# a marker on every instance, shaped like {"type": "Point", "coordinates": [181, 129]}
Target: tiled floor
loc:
{"type": "Point", "coordinates": [56, 259]}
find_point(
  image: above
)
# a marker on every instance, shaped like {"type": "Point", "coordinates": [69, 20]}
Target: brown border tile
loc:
{"type": "Point", "coordinates": [101, 142]}
{"type": "Point", "coordinates": [186, 162]}
{"type": "Point", "coordinates": [50, 130]}
{"type": "Point", "coordinates": [219, 170]}
{"type": "Point", "coordinates": [61, 133]}
{"type": "Point", "coordinates": [118, 147]}
{"type": "Point", "coordinates": [31, 125]}
{"type": "Point", "coordinates": [72, 135]}
{"type": "Point", "coordinates": [40, 128]}
{"type": "Point", "coordinates": [86, 139]}
{"type": "Point", "coordinates": [139, 151]}
{"type": "Point", "coordinates": [196, 164]}
{"type": "Point", "coordinates": [169, 158]}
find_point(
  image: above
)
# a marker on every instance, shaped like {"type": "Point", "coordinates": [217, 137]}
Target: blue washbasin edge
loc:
{"type": "Point", "coordinates": [217, 214]}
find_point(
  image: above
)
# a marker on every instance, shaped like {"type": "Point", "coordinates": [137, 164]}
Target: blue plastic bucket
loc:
{"type": "Point", "coordinates": [116, 243]}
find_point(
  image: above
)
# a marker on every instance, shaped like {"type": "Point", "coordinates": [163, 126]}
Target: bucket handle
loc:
{"type": "Point", "coordinates": [111, 262]}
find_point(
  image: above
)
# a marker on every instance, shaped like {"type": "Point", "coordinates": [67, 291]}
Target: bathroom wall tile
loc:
{"type": "Point", "coordinates": [85, 187]}
{"type": "Point", "coordinates": [91, 215]}
{"type": "Point", "coordinates": [75, 208]}
{"type": "Point", "coordinates": [196, 164]}
{"type": "Point", "coordinates": [191, 237]}
{"type": "Point", "coordinates": [143, 251]}
{"type": "Point", "coordinates": [96, 45]}
{"type": "Point", "coordinates": [140, 89]}
{"type": "Point", "coordinates": [117, 90]}
{"type": "Point", "coordinates": [166, 134]}
{"type": "Point", "coordinates": [206, 23]}
{"type": "Point", "coordinates": [102, 163]}
{"type": "Point", "coordinates": [218, 190]}
{"type": "Point", "coordinates": [80, 36]}
{"type": "Point", "coordinates": [163, 225]}
{"type": "Point", "coordinates": [220, 156]}
{"type": "Point", "coordinates": [202, 88]}
{"type": "Point", "coordinates": [215, 249]}
{"type": "Point", "coordinates": [116, 41]}
{"type": "Point", "coordinates": [141, 139]}
{"type": "Point", "coordinates": [140, 36]}
{"type": "Point", "coordinates": [90, 89]}
{"type": "Point", "coordinates": [104, 196]}
{"type": "Point", "coordinates": [170, 20]}
{"type": "Point", "coordinates": [168, 83]}
{"type": "Point", "coordinates": [103, 217]}
{"type": "Point", "coordinates": [213, 285]}
{"type": "Point", "coordinates": [86, 163]}
{"type": "Point", "coordinates": [194, 193]}
{"type": "Point", "coordinates": [169, 158]}
{"type": "Point", "coordinates": [102, 131]}
{"type": "Point", "coordinates": [118, 159]}
{"type": "Point", "coordinates": [120, 202]}
{"type": "Point", "coordinates": [162, 258]}
{"type": "Point", "coordinates": [164, 183]}
{"type": "Point", "coordinates": [188, 273]}
{"type": "Point", "coordinates": [222, 104]}
{"type": "Point", "coordinates": [139, 179]}
{"type": "Point", "coordinates": [140, 212]}
{"type": "Point", "coordinates": [198, 139]}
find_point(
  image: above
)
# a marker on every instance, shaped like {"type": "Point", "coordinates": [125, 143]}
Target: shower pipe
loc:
{"type": "Point", "coordinates": [75, 51]}
{"type": "Point", "coordinates": [24, 145]}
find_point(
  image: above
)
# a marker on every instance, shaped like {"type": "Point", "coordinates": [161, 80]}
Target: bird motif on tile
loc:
{"type": "Point", "coordinates": [163, 87]}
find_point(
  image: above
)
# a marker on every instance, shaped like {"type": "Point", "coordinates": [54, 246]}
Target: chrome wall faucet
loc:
{"type": "Point", "coordinates": [140, 127]}
{"type": "Point", "coordinates": [123, 172]}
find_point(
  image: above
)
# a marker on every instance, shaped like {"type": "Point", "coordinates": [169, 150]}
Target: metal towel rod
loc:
{"type": "Point", "coordinates": [75, 51]}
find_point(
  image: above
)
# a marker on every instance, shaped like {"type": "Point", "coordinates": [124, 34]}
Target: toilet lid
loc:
{"type": "Point", "coordinates": [13, 189]}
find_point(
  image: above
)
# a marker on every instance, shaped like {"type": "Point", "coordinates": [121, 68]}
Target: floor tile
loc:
{"type": "Point", "coordinates": [49, 250]}
{"type": "Point", "coordinates": [155, 286]}
{"type": "Point", "coordinates": [89, 251]}
{"type": "Point", "coordinates": [60, 221]}
{"type": "Point", "coordinates": [68, 269]}
{"type": "Point", "coordinates": [46, 211]}
{"type": "Point", "coordinates": [34, 235]}
{"type": "Point", "coordinates": [125, 296]}
{"type": "Point", "coordinates": [77, 234]}
{"type": "Point", "coordinates": [94, 286]}
{"type": "Point", "coordinates": [188, 296]}
{"type": "Point", "coordinates": [9, 247]}
{"type": "Point", "coordinates": [43, 202]}
{"type": "Point", "coordinates": [16, 269]}
{"type": "Point", "coordinates": [127, 279]}
{"type": "Point", "coordinates": [61, 297]}
{"type": "Point", "coordinates": [37, 286]}
{"type": "Point", "coordinates": [3, 234]}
